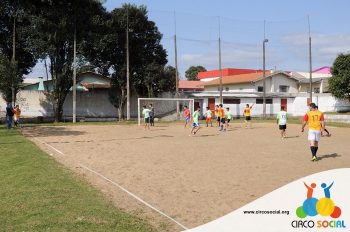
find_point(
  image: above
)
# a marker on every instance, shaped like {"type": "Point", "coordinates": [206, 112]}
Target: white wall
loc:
{"type": "Point", "coordinates": [273, 83]}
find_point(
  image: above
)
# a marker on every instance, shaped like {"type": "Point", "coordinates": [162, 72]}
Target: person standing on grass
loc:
{"type": "Point", "coordinates": [208, 117]}
{"type": "Point", "coordinates": [195, 124]}
{"type": "Point", "coordinates": [247, 115]}
{"type": "Point", "coordinates": [315, 120]}
{"type": "Point", "coordinates": [282, 121]}
{"type": "Point", "coordinates": [228, 116]}
{"type": "Point", "coordinates": [17, 115]}
{"type": "Point", "coordinates": [9, 115]}
{"type": "Point", "coordinates": [146, 115]}
{"type": "Point", "coordinates": [151, 118]}
{"type": "Point", "coordinates": [187, 115]}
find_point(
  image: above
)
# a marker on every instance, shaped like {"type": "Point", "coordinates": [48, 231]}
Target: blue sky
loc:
{"type": "Point", "coordinates": [242, 32]}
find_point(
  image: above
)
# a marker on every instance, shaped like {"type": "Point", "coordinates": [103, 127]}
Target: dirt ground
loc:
{"type": "Point", "coordinates": [192, 179]}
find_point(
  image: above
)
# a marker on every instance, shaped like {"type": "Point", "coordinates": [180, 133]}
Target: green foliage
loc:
{"type": "Point", "coordinates": [9, 78]}
{"type": "Point", "coordinates": [192, 72]}
{"type": "Point", "coordinates": [54, 25]}
{"type": "Point", "coordinates": [106, 49]}
{"type": "Point", "coordinates": [12, 11]}
{"type": "Point", "coordinates": [339, 83]}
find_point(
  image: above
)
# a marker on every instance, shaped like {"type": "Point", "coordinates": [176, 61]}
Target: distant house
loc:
{"type": "Point", "coordinates": [190, 86]}
{"type": "Point", "coordinates": [85, 82]}
{"type": "Point", "coordinates": [289, 89]}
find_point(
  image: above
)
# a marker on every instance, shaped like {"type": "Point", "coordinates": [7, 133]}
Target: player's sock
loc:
{"type": "Point", "coordinates": [316, 148]}
{"type": "Point", "coordinates": [313, 151]}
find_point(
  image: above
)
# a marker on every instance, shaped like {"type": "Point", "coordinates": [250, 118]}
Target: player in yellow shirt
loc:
{"type": "Point", "coordinates": [17, 115]}
{"type": "Point", "coordinates": [315, 120]}
{"type": "Point", "coordinates": [221, 114]}
{"type": "Point", "coordinates": [247, 115]}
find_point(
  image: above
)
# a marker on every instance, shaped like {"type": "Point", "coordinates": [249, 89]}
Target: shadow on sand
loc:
{"type": "Point", "coordinates": [327, 156]}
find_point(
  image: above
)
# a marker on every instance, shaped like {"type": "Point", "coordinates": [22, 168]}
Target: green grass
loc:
{"type": "Point", "coordinates": [39, 194]}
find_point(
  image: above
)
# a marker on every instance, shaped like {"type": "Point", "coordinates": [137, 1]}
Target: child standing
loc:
{"type": "Point", "coordinates": [17, 115]}
{"type": "Point", "coordinates": [208, 115]}
{"type": "Point", "coordinates": [282, 121]}
{"type": "Point", "coordinates": [146, 115]}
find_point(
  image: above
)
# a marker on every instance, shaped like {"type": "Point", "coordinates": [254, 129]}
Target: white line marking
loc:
{"type": "Point", "coordinates": [120, 187]}
{"type": "Point", "coordinates": [58, 151]}
{"type": "Point", "coordinates": [136, 197]}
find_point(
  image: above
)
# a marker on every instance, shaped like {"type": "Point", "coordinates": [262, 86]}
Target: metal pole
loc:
{"type": "Point", "coordinates": [75, 75]}
{"type": "Point", "coordinates": [264, 74]}
{"type": "Point", "coordinates": [138, 112]}
{"type": "Point", "coordinates": [127, 68]}
{"type": "Point", "coordinates": [310, 59]}
{"type": "Point", "coordinates": [220, 68]}
{"type": "Point", "coordinates": [176, 73]}
{"type": "Point", "coordinates": [13, 60]}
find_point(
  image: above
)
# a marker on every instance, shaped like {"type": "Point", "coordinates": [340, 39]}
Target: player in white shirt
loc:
{"type": "Point", "coordinates": [282, 121]}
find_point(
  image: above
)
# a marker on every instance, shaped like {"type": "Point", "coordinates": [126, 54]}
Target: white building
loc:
{"type": "Point", "coordinates": [282, 88]}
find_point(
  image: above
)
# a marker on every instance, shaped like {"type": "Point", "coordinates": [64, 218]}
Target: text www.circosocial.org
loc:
{"type": "Point", "coordinates": [270, 212]}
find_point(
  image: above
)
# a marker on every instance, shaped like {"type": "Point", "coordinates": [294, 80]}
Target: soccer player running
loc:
{"type": "Point", "coordinates": [247, 115]}
{"type": "Point", "coordinates": [195, 124]}
{"type": "Point", "coordinates": [221, 114]}
{"type": "Point", "coordinates": [315, 119]}
{"type": "Point", "coordinates": [228, 116]}
{"type": "Point", "coordinates": [282, 121]}
{"type": "Point", "coordinates": [187, 115]}
{"type": "Point", "coordinates": [146, 115]}
{"type": "Point", "coordinates": [216, 111]}
{"type": "Point", "coordinates": [208, 117]}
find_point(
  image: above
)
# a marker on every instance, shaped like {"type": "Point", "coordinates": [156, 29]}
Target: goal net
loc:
{"type": "Point", "coordinates": [165, 109]}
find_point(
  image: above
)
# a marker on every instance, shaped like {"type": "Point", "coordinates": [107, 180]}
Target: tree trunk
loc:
{"type": "Point", "coordinates": [58, 110]}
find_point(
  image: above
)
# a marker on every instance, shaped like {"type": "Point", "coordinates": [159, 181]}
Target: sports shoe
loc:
{"type": "Point", "coordinates": [314, 158]}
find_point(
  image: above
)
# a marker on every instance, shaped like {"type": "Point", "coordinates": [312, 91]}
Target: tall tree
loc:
{"type": "Point", "coordinates": [192, 72]}
{"type": "Point", "coordinates": [107, 50]}
{"type": "Point", "coordinates": [9, 77]}
{"type": "Point", "coordinates": [14, 46]}
{"type": "Point", "coordinates": [55, 23]}
{"type": "Point", "coordinates": [339, 83]}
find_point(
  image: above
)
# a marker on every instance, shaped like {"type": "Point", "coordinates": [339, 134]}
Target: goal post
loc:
{"type": "Point", "coordinates": [163, 106]}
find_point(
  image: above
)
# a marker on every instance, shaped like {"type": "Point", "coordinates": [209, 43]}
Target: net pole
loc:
{"type": "Point", "coordinates": [138, 111]}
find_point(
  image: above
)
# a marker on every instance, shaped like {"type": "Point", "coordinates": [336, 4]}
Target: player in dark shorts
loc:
{"type": "Point", "coordinates": [221, 113]}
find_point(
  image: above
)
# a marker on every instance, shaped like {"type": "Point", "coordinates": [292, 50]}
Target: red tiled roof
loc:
{"type": "Point", "coordinates": [190, 84]}
{"type": "Point", "coordinates": [226, 72]}
{"type": "Point", "coordinates": [238, 79]}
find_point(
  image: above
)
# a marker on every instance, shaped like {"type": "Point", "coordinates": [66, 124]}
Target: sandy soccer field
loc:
{"type": "Point", "coordinates": [191, 179]}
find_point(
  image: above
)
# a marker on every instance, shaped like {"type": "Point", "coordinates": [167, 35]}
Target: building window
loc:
{"type": "Point", "coordinates": [260, 89]}
{"type": "Point", "coordinates": [227, 88]}
{"type": "Point", "coordinates": [261, 101]}
{"type": "Point", "coordinates": [231, 101]}
{"type": "Point", "coordinates": [317, 90]}
{"type": "Point", "coordinates": [284, 89]}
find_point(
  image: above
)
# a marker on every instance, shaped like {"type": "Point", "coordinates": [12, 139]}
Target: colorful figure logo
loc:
{"type": "Point", "coordinates": [323, 206]}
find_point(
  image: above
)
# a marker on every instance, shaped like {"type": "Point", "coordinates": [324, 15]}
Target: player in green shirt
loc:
{"type": "Point", "coordinates": [195, 124]}
{"type": "Point", "coordinates": [228, 116]}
